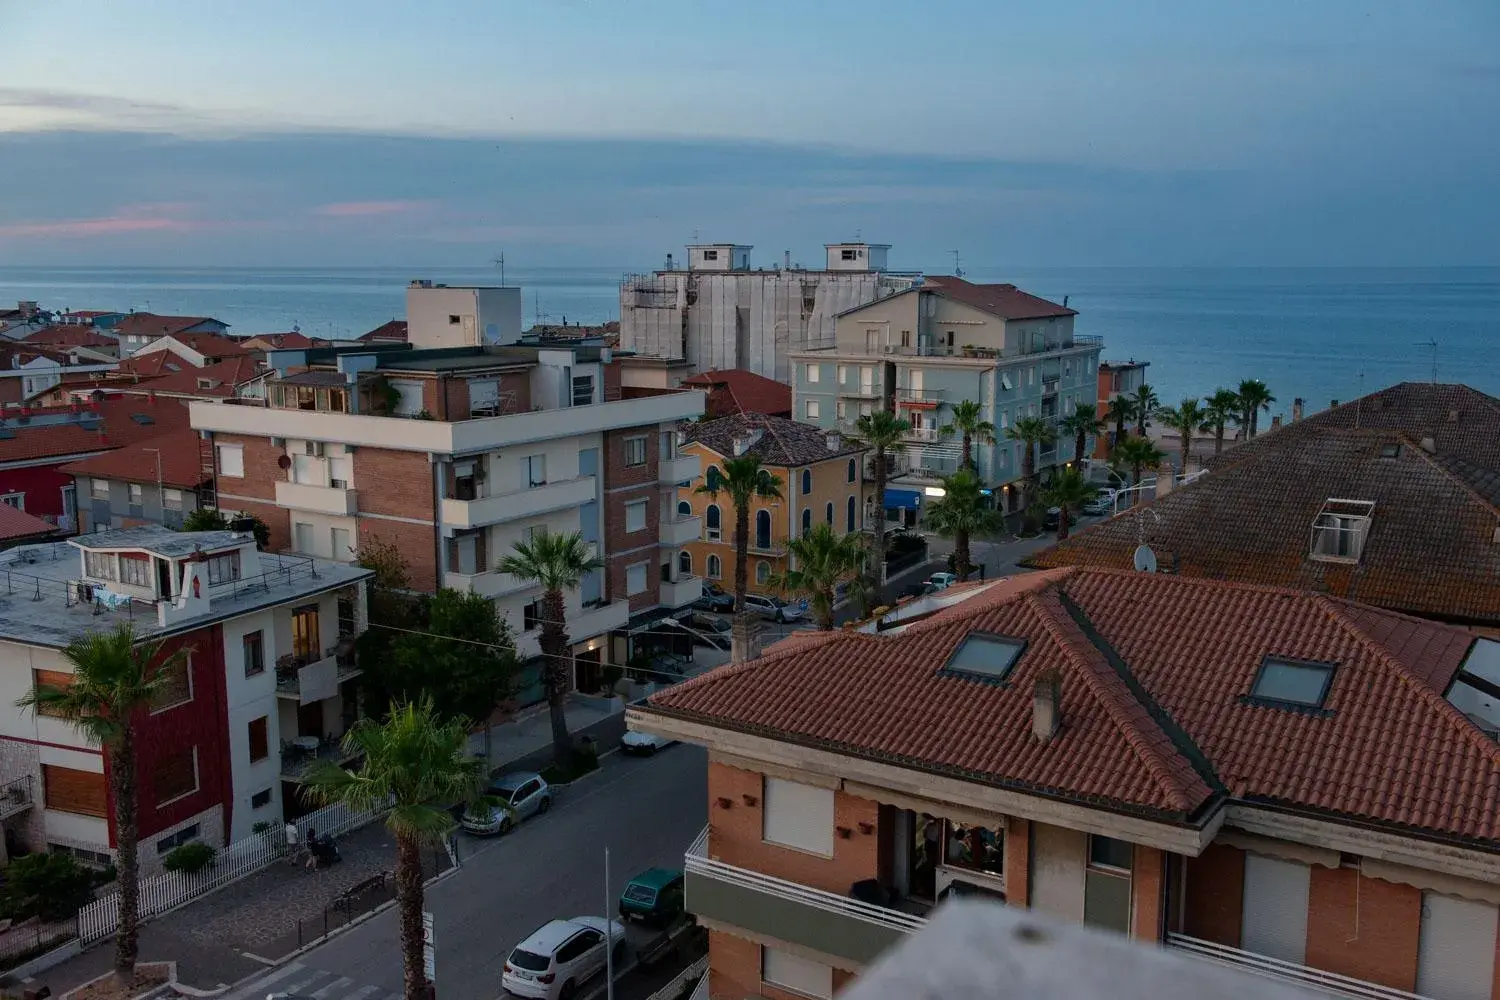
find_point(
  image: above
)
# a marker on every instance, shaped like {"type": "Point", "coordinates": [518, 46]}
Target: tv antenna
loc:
{"type": "Point", "coordinates": [1432, 345]}
{"type": "Point", "coordinates": [1359, 398]}
{"type": "Point", "coordinates": [500, 263]}
{"type": "Point", "coordinates": [958, 272]}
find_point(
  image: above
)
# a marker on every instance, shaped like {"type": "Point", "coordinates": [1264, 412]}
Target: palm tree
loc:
{"type": "Point", "coordinates": [960, 514]}
{"type": "Point", "coordinates": [1081, 423]}
{"type": "Point", "coordinates": [1032, 432]}
{"type": "Point", "coordinates": [1121, 411]}
{"type": "Point", "coordinates": [414, 763]}
{"type": "Point", "coordinates": [968, 422]}
{"type": "Point", "coordinates": [1222, 407]}
{"type": "Point", "coordinates": [1143, 404]}
{"type": "Point", "coordinates": [822, 559]}
{"type": "Point", "coordinates": [115, 677]}
{"type": "Point", "coordinates": [557, 562]}
{"type": "Point", "coordinates": [745, 481]}
{"type": "Point", "coordinates": [1137, 453]}
{"type": "Point", "coordinates": [1068, 491]}
{"type": "Point", "coordinates": [885, 432]}
{"type": "Point", "coordinates": [1184, 418]}
{"type": "Point", "coordinates": [1254, 397]}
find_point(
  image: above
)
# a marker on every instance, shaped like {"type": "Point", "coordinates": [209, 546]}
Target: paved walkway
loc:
{"type": "Point", "coordinates": [532, 731]}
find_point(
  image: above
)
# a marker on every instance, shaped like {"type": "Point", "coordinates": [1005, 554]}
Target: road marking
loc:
{"type": "Point", "coordinates": [365, 991]}
{"type": "Point", "coordinates": [297, 988]}
{"type": "Point", "coordinates": [337, 984]}
{"type": "Point", "coordinates": [259, 986]}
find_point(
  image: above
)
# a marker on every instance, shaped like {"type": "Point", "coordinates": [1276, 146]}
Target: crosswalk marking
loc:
{"type": "Point", "coordinates": [298, 980]}
{"type": "Point", "coordinates": [338, 984]}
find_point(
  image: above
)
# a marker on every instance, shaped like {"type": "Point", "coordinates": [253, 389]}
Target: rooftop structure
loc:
{"type": "Point", "coordinates": [139, 329]}
{"type": "Point", "coordinates": [439, 315]}
{"type": "Point", "coordinates": [735, 391]}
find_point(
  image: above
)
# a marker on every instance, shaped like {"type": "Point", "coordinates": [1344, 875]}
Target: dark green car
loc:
{"type": "Point", "coordinates": [655, 896]}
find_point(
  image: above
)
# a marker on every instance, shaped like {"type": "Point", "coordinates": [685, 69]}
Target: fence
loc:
{"type": "Point", "coordinates": [24, 941]}
{"type": "Point", "coordinates": [360, 899]}
{"type": "Point", "coordinates": [98, 919]}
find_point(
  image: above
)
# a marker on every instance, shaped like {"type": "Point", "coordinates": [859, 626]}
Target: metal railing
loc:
{"type": "Point", "coordinates": [15, 796]}
{"type": "Point", "coordinates": [923, 434]}
{"type": "Point", "coordinates": [1275, 968]}
{"type": "Point", "coordinates": [920, 395]}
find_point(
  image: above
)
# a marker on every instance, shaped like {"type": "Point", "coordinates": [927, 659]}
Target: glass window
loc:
{"type": "Point", "coordinates": [812, 373]}
{"type": "Point", "coordinates": [1293, 682]}
{"type": "Point", "coordinates": [975, 848]}
{"type": "Point", "coordinates": [171, 499]}
{"type": "Point", "coordinates": [135, 570]}
{"type": "Point", "coordinates": [583, 390]}
{"type": "Point", "coordinates": [260, 799]}
{"type": "Point", "coordinates": [806, 520]}
{"type": "Point", "coordinates": [635, 516]}
{"type": "Point", "coordinates": [1107, 852]}
{"type": "Point", "coordinates": [223, 568]}
{"type": "Point", "coordinates": [684, 509]}
{"type": "Point", "coordinates": [806, 481]}
{"type": "Point", "coordinates": [712, 478]}
{"type": "Point", "coordinates": [635, 451]}
{"type": "Point", "coordinates": [685, 562]}
{"type": "Point", "coordinates": [635, 579]}
{"type": "Point", "coordinates": [851, 513]}
{"type": "Point", "coordinates": [711, 522]}
{"type": "Point", "coordinates": [986, 657]}
{"type": "Point", "coordinates": [843, 374]}
{"type": "Point", "coordinates": [254, 646]}
{"type": "Point", "coordinates": [135, 494]}
{"type": "Point", "coordinates": [99, 565]}
{"type": "Point", "coordinates": [231, 460]}
{"type": "Point", "coordinates": [260, 742]}
{"type": "Point", "coordinates": [812, 409]}
{"type": "Point", "coordinates": [853, 470]}
{"type": "Point", "coordinates": [763, 529]}
{"type": "Point", "coordinates": [828, 513]}
{"type": "Point", "coordinates": [762, 572]}
{"type": "Point", "coordinates": [714, 568]}
{"type": "Point", "coordinates": [99, 489]}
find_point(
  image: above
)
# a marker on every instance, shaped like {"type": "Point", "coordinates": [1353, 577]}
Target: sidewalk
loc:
{"type": "Point", "coordinates": [531, 731]}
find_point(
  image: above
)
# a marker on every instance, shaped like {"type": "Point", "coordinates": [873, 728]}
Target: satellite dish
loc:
{"type": "Point", "coordinates": [1145, 559]}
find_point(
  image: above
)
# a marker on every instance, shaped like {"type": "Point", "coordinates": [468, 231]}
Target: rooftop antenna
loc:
{"type": "Point", "coordinates": [1359, 398]}
{"type": "Point", "coordinates": [958, 272]}
{"type": "Point", "coordinates": [859, 235]}
{"type": "Point", "coordinates": [1432, 345]}
{"type": "Point", "coordinates": [500, 263]}
{"type": "Point", "coordinates": [695, 235]}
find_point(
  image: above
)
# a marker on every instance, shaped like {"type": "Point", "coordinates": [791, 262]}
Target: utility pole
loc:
{"type": "Point", "coordinates": [161, 495]}
{"type": "Point", "coordinates": [500, 263]}
{"type": "Point", "coordinates": [1432, 344]}
{"type": "Point", "coordinates": [609, 936]}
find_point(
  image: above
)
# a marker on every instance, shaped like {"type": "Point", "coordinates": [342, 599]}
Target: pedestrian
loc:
{"type": "Point", "coordinates": [312, 848]}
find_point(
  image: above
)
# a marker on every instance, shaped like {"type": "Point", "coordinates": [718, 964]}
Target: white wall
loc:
{"type": "Point", "coordinates": [16, 681]}
{"type": "Point", "coordinates": [499, 315]}
{"type": "Point", "coordinates": [504, 469]}
{"type": "Point", "coordinates": [485, 316]}
{"type": "Point", "coordinates": [322, 534]}
{"type": "Point", "coordinates": [250, 698]}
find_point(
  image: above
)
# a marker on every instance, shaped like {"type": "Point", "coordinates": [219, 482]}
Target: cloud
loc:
{"type": "Point", "coordinates": [357, 209]}
{"type": "Point", "coordinates": [68, 100]}
{"type": "Point", "coordinates": [154, 217]}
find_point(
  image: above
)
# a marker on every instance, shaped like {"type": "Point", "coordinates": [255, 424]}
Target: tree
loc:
{"type": "Point", "coordinates": [968, 422]}
{"type": "Point", "coordinates": [391, 606]}
{"type": "Point", "coordinates": [1068, 491]}
{"type": "Point", "coordinates": [822, 559]}
{"type": "Point", "coordinates": [1136, 453]}
{"type": "Point", "coordinates": [745, 482]}
{"type": "Point", "coordinates": [886, 434]}
{"type": "Point", "coordinates": [1254, 397]}
{"type": "Point", "coordinates": [1032, 432]}
{"type": "Point", "coordinates": [1185, 418]}
{"type": "Point", "coordinates": [1121, 411]}
{"type": "Point", "coordinates": [1220, 408]}
{"type": "Point", "coordinates": [557, 562]}
{"type": "Point", "coordinates": [414, 763]}
{"type": "Point", "coordinates": [1081, 423]}
{"type": "Point", "coordinates": [1143, 404]}
{"type": "Point", "coordinates": [206, 519]}
{"type": "Point", "coordinates": [115, 679]}
{"type": "Point", "coordinates": [465, 661]}
{"type": "Point", "coordinates": [960, 514]}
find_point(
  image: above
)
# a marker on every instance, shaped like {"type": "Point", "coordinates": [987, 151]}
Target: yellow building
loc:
{"type": "Point", "coordinates": [822, 480]}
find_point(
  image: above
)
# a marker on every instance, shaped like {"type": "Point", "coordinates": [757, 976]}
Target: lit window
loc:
{"type": "Point", "coordinates": [1292, 682]}
{"type": "Point", "coordinates": [985, 657]}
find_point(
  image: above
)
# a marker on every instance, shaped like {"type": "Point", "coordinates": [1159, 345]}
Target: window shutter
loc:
{"type": "Point", "coordinates": [1456, 952]}
{"type": "Point", "coordinates": [175, 776]}
{"type": "Point", "coordinates": [1275, 904]}
{"type": "Point", "coordinates": [69, 790]}
{"type": "Point", "coordinates": [50, 678]}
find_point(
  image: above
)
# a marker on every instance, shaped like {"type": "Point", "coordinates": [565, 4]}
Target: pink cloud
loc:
{"type": "Point", "coordinates": [144, 218]}
{"type": "Point", "coordinates": [354, 209]}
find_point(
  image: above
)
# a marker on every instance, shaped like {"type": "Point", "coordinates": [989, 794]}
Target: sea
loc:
{"type": "Point", "coordinates": [1318, 334]}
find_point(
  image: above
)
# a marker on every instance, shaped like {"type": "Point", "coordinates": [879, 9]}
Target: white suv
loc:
{"type": "Point", "coordinates": [560, 956]}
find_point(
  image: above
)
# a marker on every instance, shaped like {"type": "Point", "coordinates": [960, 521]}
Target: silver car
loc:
{"type": "Point", "coordinates": [773, 608]}
{"type": "Point", "coordinates": [525, 792]}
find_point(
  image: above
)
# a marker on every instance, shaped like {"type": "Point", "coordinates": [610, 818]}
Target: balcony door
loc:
{"type": "Point", "coordinates": [306, 642]}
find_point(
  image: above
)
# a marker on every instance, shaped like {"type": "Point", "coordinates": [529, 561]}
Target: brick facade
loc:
{"type": "Point", "coordinates": [1146, 883]}
{"type": "Point", "coordinates": [398, 483]}
{"type": "Point", "coordinates": [415, 543]}
{"type": "Point", "coordinates": [1215, 897]}
{"type": "Point", "coordinates": [1018, 861]}
{"type": "Point", "coordinates": [1363, 927]}
{"type": "Point", "coordinates": [734, 971]}
{"type": "Point", "coordinates": [626, 484]}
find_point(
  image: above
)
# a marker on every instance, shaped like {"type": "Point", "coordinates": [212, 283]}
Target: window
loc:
{"type": "Point", "coordinates": [905, 338]}
{"type": "Point", "coordinates": [975, 848]}
{"type": "Point", "coordinates": [1390, 450]}
{"type": "Point", "coordinates": [714, 568]}
{"type": "Point", "coordinates": [710, 255]}
{"type": "Point", "coordinates": [635, 451]}
{"type": "Point", "coordinates": [1106, 884]}
{"type": "Point", "coordinates": [171, 499]}
{"type": "Point", "coordinates": [806, 481]}
{"type": "Point", "coordinates": [1476, 690]}
{"type": "Point", "coordinates": [985, 657]}
{"type": "Point", "coordinates": [99, 565]}
{"type": "Point", "coordinates": [685, 562]}
{"type": "Point", "coordinates": [253, 646]}
{"type": "Point", "coordinates": [70, 790]}
{"type": "Point", "coordinates": [531, 616]}
{"type": "Point", "coordinates": [186, 835]}
{"type": "Point", "coordinates": [345, 609]}
{"type": "Point", "coordinates": [812, 409]}
{"type": "Point", "coordinates": [534, 470]}
{"type": "Point", "coordinates": [828, 513]}
{"type": "Point", "coordinates": [842, 372]}
{"type": "Point", "coordinates": [99, 489]}
{"type": "Point", "coordinates": [840, 410]}
{"type": "Point", "coordinates": [713, 479]}
{"type": "Point", "coordinates": [851, 513]}
{"type": "Point", "coordinates": [340, 472]}
{"type": "Point", "coordinates": [135, 494]}
{"type": "Point", "coordinates": [1292, 682]}
{"type": "Point", "coordinates": [853, 470]}
{"type": "Point", "coordinates": [762, 572]}
{"type": "Point", "coordinates": [52, 679]}
{"type": "Point", "coordinates": [231, 460]}
{"type": "Point", "coordinates": [453, 319]}
{"type": "Point", "coordinates": [223, 568]}
{"type": "Point", "coordinates": [711, 523]}
{"type": "Point", "coordinates": [341, 544]}
{"type": "Point", "coordinates": [307, 643]}
{"type": "Point", "coordinates": [176, 686]}
{"type": "Point", "coordinates": [795, 973]}
{"type": "Point", "coordinates": [302, 537]}
{"type": "Point", "coordinates": [797, 815]}
{"type": "Point", "coordinates": [135, 570]}
{"type": "Point", "coordinates": [635, 516]}
{"type": "Point", "coordinates": [814, 372]}
{"type": "Point", "coordinates": [762, 529]}
{"type": "Point", "coordinates": [1005, 382]}
{"type": "Point", "coordinates": [260, 739]}
{"type": "Point", "coordinates": [1107, 852]}
{"type": "Point", "coordinates": [635, 579]}
{"type": "Point", "coordinates": [684, 509]}
{"type": "Point", "coordinates": [175, 775]}
{"type": "Point", "coordinates": [583, 390]}
{"type": "Point", "coordinates": [260, 799]}
{"type": "Point", "coordinates": [806, 521]}
{"type": "Point", "coordinates": [846, 255]}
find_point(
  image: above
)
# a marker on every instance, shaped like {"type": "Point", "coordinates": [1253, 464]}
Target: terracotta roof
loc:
{"type": "Point", "coordinates": [212, 346]}
{"type": "Point", "coordinates": [151, 325]}
{"type": "Point", "coordinates": [394, 330]}
{"type": "Point", "coordinates": [71, 335]}
{"type": "Point", "coordinates": [221, 377]}
{"type": "Point", "coordinates": [17, 524]}
{"type": "Point", "coordinates": [779, 441]}
{"type": "Point", "coordinates": [154, 363]}
{"type": "Point", "coordinates": [122, 421]}
{"type": "Point", "coordinates": [733, 390]}
{"type": "Point", "coordinates": [181, 465]}
{"type": "Point", "coordinates": [280, 341]}
{"type": "Point", "coordinates": [1004, 301]}
{"type": "Point", "coordinates": [1155, 673]}
{"type": "Point", "coordinates": [1430, 549]}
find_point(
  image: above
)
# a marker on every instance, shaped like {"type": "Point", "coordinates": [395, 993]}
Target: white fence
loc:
{"type": "Point", "coordinates": [98, 919]}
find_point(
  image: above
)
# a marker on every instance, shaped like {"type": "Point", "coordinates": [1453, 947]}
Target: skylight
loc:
{"type": "Point", "coordinates": [1476, 690]}
{"type": "Point", "coordinates": [1390, 450]}
{"type": "Point", "coordinates": [1293, 683]}
{"type": "Point", "coordinates": [985, 657]}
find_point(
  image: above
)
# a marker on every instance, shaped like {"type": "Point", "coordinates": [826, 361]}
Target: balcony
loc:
{"type": "Point", "coordinates": [541, 499]}
{"type": "Point", "coordinates": [297, 761]}
{"type": "Point", "coordinates": [15, 796]}
{"type": "Point", "coordinates": [1290, 972]}
{"type": "Point", "coordinates": [680, 530]}
{"type": "Point", "coordinates": [928, 434]}
{"type": "Point", "coordinates": [488, 584]}
{"type": "Point", "coordinates": [307, 682]}
{"type": "Point", "coordinates": [683, 592]}
{"type": "Point", "coordinates": [761, 904]}
{"type": "Point", "coordinates": [320, 499]}
{"type": "Point", "coordinates": [682, 469]}
{"type": "Point", "coordinates": [932, 396]}
{"type": "Point", "coordinates": [597, 620]}
{"type": "Point", "coordinates": [1050, 385]}
{"type": "Point", "coordinates": [865, 390]}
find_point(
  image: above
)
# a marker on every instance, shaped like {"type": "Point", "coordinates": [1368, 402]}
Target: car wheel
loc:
{"type": "Point", "coordinates": [780, 618]}
{"type": "Point", "coordinates": [505, 825]}
{"type": "Point", "coordinates": [544, 806]}
{"type": "Point", "coordinates": [568, 989]}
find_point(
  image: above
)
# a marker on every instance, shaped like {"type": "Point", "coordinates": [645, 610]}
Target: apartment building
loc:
{"type": "Point", "coordinates": [920, 352]}
{"type": "Point", "coordinates": [157, 481]}
{"type": "Point", "coordinates": [821, 483]}
{"type": "Point", "coordinates": [265, 691]}
{"type": "Point", "coordinates": [1257, 776]}
{"type": "Point", "coordinates": [454, 454]}
{"type": "Point", "coordinates": [1116, 379]}
{"type": "Point", "coordinates": [720, 313]}
{"type": "Point", "coordinates": [140, 329]}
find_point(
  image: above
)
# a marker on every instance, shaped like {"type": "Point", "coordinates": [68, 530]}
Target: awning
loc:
{"type": "Point", "coordinates": [910, 499]}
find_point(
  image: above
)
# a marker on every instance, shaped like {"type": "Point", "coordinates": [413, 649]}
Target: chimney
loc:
{"type": "Point", "coordinates": [1276, 421]}
{"type": "Point", "coordinates": [786, 260]}
{"type": "Point", "coordinates": [744, 638]}
{"type": "Point", "coordinates": [745, 441]}
{"type": "Point", "coordinates": [1046, 706]}
{"type": "Point", "coordinates": [1429, 446]}
{"type": "Point", "coordinates": [1297, 409]}
{"type": "Point", "coordinates": [1333, 404]}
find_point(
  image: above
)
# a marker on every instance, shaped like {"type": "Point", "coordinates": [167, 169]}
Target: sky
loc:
{"type": "Point", "coordinates": [1077, 132]}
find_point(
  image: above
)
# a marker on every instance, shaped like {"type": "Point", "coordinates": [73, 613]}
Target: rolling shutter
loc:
{"type": "Point", "coordinates": [1275, 915]}
{"type": "Point", "coordinates": [1456, 953]}
{"type": "Point", "coordinates": [68, 790]}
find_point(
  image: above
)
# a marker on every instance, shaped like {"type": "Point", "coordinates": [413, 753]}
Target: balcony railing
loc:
{"type": "Point", "coordinates": [920, 395]}
{"type": "Point", "coordinates": [539, 499]}
{"type": "Point", "coordinates": [823, 921]}
{"type": "Point", "coordinates": [488, 584]}
{"type": "Point", "coordinates": [305, 680]}
{"type": "Point", "coordinates": [297, 762]}
{"type": "Point", "coordinates": [680, 530]}
{"type": "Point", "coordinates": [320, 499]}
{"type": "Point", "coordinates": [15, 796]}
{"type": "Point", "coordinates": [1275, 968]}
{"type": "Point", "coordinates": [681, 592]}
{"type": "Point", "coordinates": [865, 390]}
{"type": "Point", "coordinates": [923, 434]}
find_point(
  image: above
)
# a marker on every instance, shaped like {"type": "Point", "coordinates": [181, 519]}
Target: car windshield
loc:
{"type": "Point", "coordinates": [640, 893]}
{"type": "Point", "coordinates": [530, 961]}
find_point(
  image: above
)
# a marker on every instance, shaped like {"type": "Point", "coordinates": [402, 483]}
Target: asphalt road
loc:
{"type": "Point", "coordinates": [645, 810]}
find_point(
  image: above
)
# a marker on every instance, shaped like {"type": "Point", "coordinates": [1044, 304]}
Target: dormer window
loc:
{"type": "Point", "coordinates": [1340, 529]}
{"type": "Point", "coordinates": [1476, 690]}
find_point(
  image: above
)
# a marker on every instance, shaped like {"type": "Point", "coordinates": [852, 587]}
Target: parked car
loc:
{"type": "Point", "coordinates": [655, 896]}
{"type": "Point", "coordinates": [527, 794]}
{"type": "Point", "coordinates": [940, 581]}
{"type": "Point", "coordinates": [643, 744]}
{"type": "Point", "coordinates": [709, 630]}
{"type": "Point", "coordinates": [773, 608]}
{"type": "Point", "coordinates": [1103, 503]}
{"type": "Point", "coordinates": [715, 598]}
{"type": "Point", "coordinates": [560, 956]}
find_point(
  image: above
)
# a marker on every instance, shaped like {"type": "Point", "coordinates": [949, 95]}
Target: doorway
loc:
{"type": "Point", "coordinates": [164, 578]}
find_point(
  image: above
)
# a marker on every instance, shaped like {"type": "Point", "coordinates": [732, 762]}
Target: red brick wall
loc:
{"type": "Point", "coordinates": [1215, 896]}
{"type": "Point", "coordinates": [262, 468]}
{"type": "Point", "coordinates": [1146, 893]}
{"type": "Point", "coordinates": [1018, 862]}
{"type": "Point", "coordinates": [735, 835]}
{"type": "Point", "coordinates": [415, 542]}
{"type": "Point", "coordinates": [734, 971]}
{"type": "Point", "coordinates": [393, 482]}
{"type": "Point", "coordinates": [612, 381]}
{"type": "Point", "coordinates": [1363, 927]}
{"type": "Point", "coordinates": [616, 472]}
{"type": "Point", "coordinates": [625, 548]}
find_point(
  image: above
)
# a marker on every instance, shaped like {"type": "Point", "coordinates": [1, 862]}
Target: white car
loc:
{"type": "Point", "coordinates": [1103, 503]}
{"type": "Point", "coordinates": [561, 956]}
{"type": "Point", "coordinates": [644, 744]}
{"type": "Point", "coordinates": [773, 608]}
{"type": "Point", "coordinates": [516, 796]}
{"type": "Point", "coordinates": [941, 581]}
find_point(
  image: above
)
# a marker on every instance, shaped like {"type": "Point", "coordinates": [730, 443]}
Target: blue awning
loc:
{"type": "Point", "coordinates": [909, 499]}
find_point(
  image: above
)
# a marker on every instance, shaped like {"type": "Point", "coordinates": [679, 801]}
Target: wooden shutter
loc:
{"type": "Point", "coordinates": [176, 687]}
{"type": "Point", "coordinates": [68, 790]}
{"type": "Point", "coordinates": [50, 678]}
{"type": "Point", "coordinates": [260, 744]}
{"type": "Point", "coordinates": [175, 776]}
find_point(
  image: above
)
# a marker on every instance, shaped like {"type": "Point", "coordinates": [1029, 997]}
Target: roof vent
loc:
{"type": "Point", "coordinates": [1046, 705]}
{"type": "Point", "coordinates": [834, 442]}
{"type": "Point", "coordinates": [1452, 416]}
{"type": "Point", "coordinates": [1429, 445]}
